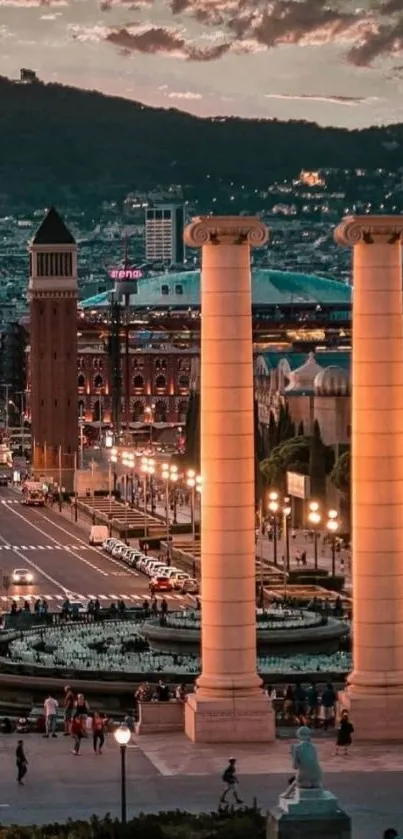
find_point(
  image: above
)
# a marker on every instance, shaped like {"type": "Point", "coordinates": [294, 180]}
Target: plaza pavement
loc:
{"type": "Point", "coordinates": [168, 772]}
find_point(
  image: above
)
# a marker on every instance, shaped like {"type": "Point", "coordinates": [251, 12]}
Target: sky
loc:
{"type": "Point", "coordinates": [335, 62]}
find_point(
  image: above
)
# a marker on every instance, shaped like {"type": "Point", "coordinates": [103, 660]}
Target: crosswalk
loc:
{"type": "Point", "coordinates": [54, 547]}
{"type": "Point", "coordinates": [56, 600]}
{"type": "Point", "coordinates": [10, 501]}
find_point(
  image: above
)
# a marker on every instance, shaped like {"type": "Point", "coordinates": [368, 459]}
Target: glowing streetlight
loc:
{"type": "Point", "coordinates": [194, 482]}
{"type": "Point", "coordinates": [147, 468]}
{"type": "Point", "coordinates": [169, 475]}
{"type": "Point", "coordinates": [122, 737]}
{"type": "Point", "coordinates": [314, 517]}
{"type": "Point", "coordinates": [332, 526]}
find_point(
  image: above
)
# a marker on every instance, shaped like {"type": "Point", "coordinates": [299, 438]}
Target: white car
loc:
{"type": "Point", "coordinates": [118, 550]}
{"type": "Point", "coordinates": [154, 569]}
{"type": "Point", "coordinates": [172, 572]}
{"type": "Point", "coordinates": [109, 544]}
{"type": "Point", "coordinates": [78, 607]}
{"type": "Point", "coordinates": [22, 577]}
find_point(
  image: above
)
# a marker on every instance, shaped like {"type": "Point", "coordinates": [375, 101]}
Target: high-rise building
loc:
{"type": "Point", "coordinates": [164, 234]}
{"type": "Point", "coordinates": [53, 350]}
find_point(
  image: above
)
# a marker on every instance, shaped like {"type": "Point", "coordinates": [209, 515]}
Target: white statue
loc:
{"type": "Point", "coordinates": [305, 763]}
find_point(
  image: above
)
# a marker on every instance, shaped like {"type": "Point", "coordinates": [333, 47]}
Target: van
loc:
{"type": "Point", "coordinates": [98, 534]}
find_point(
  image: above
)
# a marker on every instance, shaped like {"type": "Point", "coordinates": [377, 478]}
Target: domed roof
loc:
{"type": "Point", "coordinates": [302, 379]}
{"type": "Point", "coordinates": [332, 381]}
{"type": "Point", "coordinates": [269, 288]}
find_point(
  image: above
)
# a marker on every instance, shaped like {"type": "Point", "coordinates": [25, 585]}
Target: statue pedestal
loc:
{"type": "Point", "coordinates": [313, 813]}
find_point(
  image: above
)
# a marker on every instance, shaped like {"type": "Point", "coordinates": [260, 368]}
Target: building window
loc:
{"type": "Point", "coordinates": [138, 412]}
{"type": "Point", "coordinates": [160, 414]}
{"type": "Point", "coordinates": [182, 412]}
{"type": "Point", "coordinates": [160, 382]}
{"type": "Point", "coordinates": [165, 289]}
{"type": "Point", "coordinates": [160, 364]}
{"type": "Point", "coordinates": [98, 381]}
{"type": "Point", "coordinates": [183, 381]}
{"type": "Point", "coordinates": [138, 364]}
{"type": "Point", "coordinates": [138, 382]}
{"type": "Point", "coordinates": [81, 380]}
{"type": "Point", "coordinates": [179, 289]}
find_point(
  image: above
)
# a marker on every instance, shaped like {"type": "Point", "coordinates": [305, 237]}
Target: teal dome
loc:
{"type": "Point", "coordinates": [269, 288]}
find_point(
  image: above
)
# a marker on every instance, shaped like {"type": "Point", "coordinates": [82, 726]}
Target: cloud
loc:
{"type": "Point", "coordinates": [349, 101]}
{"type": "Point", "coordinates": [188, 94]}
{"type": "Point", "coordinates": [164, 41]}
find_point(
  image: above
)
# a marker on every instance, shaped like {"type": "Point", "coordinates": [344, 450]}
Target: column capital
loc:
{"type": "Point", "coordinates": [226, 230]}
{"type": "Point", "coordinates": [369, 230]}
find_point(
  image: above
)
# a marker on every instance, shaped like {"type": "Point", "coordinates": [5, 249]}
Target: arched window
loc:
{"type": "Point", "coordinates": [96, 412]}
{"type": "Point", "coordinates": [81, 409]}
{"type": "Point", "coordinates": [138, 412]}
{"type": "Point", "coordinates": [160, 382]}
{"type": "Point", "coordinates": [81, 380]}
{"type": "Point", "coordinates": [184, 365]}
{"type": "Point", "coordinates": [138, 363]}
{"type": "Point", "coordinates": [98, 381]}
{"type": "Point", "coordinates": [160, 364]}
{"type": "Point", "coordinates": [160, 413]}
{"type": "Point", "coordinates": [183, 381]}
{"type": "Point", "coordinates": [138, 382]}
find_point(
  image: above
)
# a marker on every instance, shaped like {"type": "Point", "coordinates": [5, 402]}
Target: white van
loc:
{"type": "Point", "coordinates": [98, 534]}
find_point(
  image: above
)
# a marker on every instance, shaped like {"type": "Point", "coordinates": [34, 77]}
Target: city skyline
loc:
{"type": "Point", "coordinates": [284, 59]}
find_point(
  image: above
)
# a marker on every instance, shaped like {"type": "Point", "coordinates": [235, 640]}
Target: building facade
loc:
{"type": "Point", "coordinates": [164, 234]}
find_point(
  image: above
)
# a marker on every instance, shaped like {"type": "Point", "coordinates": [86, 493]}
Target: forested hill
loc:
{"type": "Point", "coordinates": [83, 147]}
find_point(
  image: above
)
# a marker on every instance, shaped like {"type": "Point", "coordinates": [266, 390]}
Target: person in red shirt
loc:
{"type": "Point", "coordinates": [77, 734]}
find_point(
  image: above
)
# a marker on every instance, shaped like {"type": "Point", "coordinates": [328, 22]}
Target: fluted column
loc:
{"type": "Point", "coordinates": [376, 683]}
{"type": "Point", "coordinates": [229, 673]}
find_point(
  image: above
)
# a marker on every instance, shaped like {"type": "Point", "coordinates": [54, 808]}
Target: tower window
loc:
{"type": "Point", "coordinates": [179, 289]}
{"type": "Point", "coordinates": [165, 289]}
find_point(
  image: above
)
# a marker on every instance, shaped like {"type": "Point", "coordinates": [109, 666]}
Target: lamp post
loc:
{"type": "Point", "coordinates": [113, 459]}
{"type": "Point", "coordinates": [332, 525]}
{"type": "Point", "coordinates": [147, 468]}
{"type": "Point", "coordinates": [122, 737]}
{"type": "Point", "coordinates": [286, 565]}
{"type": "Point", "coordinates": [194, 482]}
{"type": "Point", "coordinates": [149, 410]}
{"type": "Point", "coordinates": [128, 463]}
{"type": "Point", "coordinates": [273, 507]}
{"type": "Point", "coordinates": [169, 475]}
{"type": "Point", "coordinates": [314, 517]}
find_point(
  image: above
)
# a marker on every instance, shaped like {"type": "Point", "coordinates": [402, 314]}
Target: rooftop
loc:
{"type": "Point", "coordinates": [269, 288]}
{"type": "Point", "coordinates": [53, 231]}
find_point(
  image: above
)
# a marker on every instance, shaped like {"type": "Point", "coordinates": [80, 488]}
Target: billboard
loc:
{"type": "Point", "coordinates": [298, 486]}
{"type": "Point", "coordinates": [125, 280]}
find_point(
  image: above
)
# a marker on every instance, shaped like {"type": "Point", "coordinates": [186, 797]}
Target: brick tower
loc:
{"type": "Point", "coordinates": [53, 354]}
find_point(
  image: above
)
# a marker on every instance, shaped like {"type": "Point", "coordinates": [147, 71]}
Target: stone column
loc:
{"type": "Point", "coordinates": [229, 704]}
{"type": "Point", "coordinates": [375, 687]}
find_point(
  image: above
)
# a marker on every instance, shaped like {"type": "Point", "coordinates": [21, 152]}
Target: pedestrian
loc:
{"type": "Point", "coordinates": [77, 733]}
{"type": "Point", "coordinates": [98, 732]}
{"type": "Point", "coordinates": [327, 706]}
{"type": "Point", "coordinates": [68, 705]}
{"type": "Point", "coordinates": [344, 732]}
{"type": "Point", "coordinates": [21, 762]}
{"type": "Point", "coordinates": [50, 706]}
{"type": "Point", "coordinates": [231, 781]}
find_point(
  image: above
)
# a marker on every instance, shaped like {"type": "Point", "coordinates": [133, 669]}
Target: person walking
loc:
{"type": "Point", "coordinates": [230, 780]}
{"type": "Point", "coordinates": [50, 706]}
{"type": "Point", "coordinates": [344, 732]}
{"type": "Point", "coordinates": [77, 733]}
{"type": "Point", "coordinates": [21, 761]}
{"type": "Point", "coordinates": [98, 732]}
{"type": "Point", "coordinates": [68, 706]}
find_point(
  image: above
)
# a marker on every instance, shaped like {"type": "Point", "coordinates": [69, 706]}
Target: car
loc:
{"type": "Point", "coordinates": [22, 577]}
{"type": "Point", "coordinates": [78, 607]}
{"type": "Point", "coordinates": [154, 569]}
{"type": "Point", "coordinates": [190, 586]}
{"type": "Point", "coordinates": [160, 584]}
{"type": "Point", "coordinates": [178, 579]}
{"type": "Point", "coordinates": [117, 551]}
{"type": "Point", "coordinates": [98, 534]}
{"type": "Point", "coordinates": [109, 544]}
{"type": "Point", "coordinates": [171, 572]}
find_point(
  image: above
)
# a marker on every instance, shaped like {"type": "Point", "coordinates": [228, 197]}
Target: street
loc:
{"type": "Point", "coordinates": [63, 563]}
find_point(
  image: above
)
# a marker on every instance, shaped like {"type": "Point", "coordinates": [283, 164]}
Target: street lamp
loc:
{"type": "Point", "coordinates": [314, 517]}
{"type": "Point", "coordinates": [122, 737]}
{"type": "Point", "coordinates": [149, 410]}
{"type": "Point", "coordinates": [169, 475]}
{"type": "Point", "coordinates": [332, 525]}
{"type": "Point", "coordinates": [194, 482]}
{"type": "Point", "coordinates": [286, 566]}
{"type": "Point", "coordinates": [147, 468]}
{"type": "Point", "coordinates": [128, 462]}
{"type": "Point", "coordinates": [113, 459]}
{"type": "Point", "coordinates": [273, 507]}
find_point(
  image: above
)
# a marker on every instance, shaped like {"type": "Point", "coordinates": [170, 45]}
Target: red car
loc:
{"type": "Point", "coordinates": [160, 584]}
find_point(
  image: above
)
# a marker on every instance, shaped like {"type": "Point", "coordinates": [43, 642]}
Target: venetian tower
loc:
{"type": "Point", "coordinates": [53, 352]}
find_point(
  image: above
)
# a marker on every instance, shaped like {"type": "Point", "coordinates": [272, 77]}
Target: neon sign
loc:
{"type": "Point", "coordinates": [125, 274]}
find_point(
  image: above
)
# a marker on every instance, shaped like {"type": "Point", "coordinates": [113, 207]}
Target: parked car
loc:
{"type": "Point", "coordinates": [178, 579]}
{"type": "Point", "coordinates": [109, 544]}
{"type": "Point", "coordinates": [171, 572]}
{"type": "Point", "coordinates": [160, 584]}
{"type": "Point", "coordinates": [118, 550]}
{"type": "Point", "coordinates": [190, 586]}
{"type": "Point", "coordinates": [98, 534]}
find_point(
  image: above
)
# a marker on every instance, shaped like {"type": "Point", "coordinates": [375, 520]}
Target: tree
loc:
{"type": "Point", "coordinates": [285, 425]}
{"type": "Point", "coordinates": [317, 463]}
{"type": "Point", "coordinates": [292, 456]}
{"type": "Point", "coordinates": [340, 477]}
{"type": "Point", "coordinates": [301, 432]}
{"type": "Point", "coordinates": [272, 433]}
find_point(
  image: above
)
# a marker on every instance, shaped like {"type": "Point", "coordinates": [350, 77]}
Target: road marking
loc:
{"type": "Point", "coordinates": [65, 547]}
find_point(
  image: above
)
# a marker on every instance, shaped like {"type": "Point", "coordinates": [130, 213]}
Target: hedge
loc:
{"type": "Point", "coordinates": [248, 823]}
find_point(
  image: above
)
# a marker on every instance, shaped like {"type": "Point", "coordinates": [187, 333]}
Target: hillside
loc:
{"type": "Point", "coordinates": [69, 146]}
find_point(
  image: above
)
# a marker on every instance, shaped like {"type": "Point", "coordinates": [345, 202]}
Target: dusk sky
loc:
{"type": "Point", "coordinates": [336, 62]}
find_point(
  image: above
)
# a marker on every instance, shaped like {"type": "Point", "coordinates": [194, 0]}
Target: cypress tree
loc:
{"type": "Point", "coordinates": [301, 430]}
{"type": "Point", "coordinates": [317, 464]}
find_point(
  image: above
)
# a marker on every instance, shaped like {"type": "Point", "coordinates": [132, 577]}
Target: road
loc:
{"type": "Point", "coordinates": [57, 552]}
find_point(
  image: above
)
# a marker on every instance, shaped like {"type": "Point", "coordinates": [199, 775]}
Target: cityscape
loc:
{"type": "Point", "coordinates": [201, 406]}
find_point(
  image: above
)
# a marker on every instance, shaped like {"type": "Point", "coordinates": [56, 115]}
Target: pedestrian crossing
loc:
{"type": "Point", "coordinates": [56, 600]}
{"type": "Point", "coordinates": [10, 501]}
{"type": "Point", "coordinates": [54, 547]}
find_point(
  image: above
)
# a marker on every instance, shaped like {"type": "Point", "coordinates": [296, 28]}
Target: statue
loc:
{"type": "Point", "coordinates": [305, 763]}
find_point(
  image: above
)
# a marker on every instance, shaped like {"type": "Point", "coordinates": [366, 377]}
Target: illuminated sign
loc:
{"type": "Point", "coordinates": [125, 274]}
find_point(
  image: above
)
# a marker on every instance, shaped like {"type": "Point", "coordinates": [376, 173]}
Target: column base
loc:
{"type": "Point", "coordinates": [230, 719]}
{"type": "Point", "coordinates": [376, 715]}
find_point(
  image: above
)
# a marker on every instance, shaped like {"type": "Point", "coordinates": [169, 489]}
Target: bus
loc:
{"type": "Point", "coordinates": [33, 494]}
